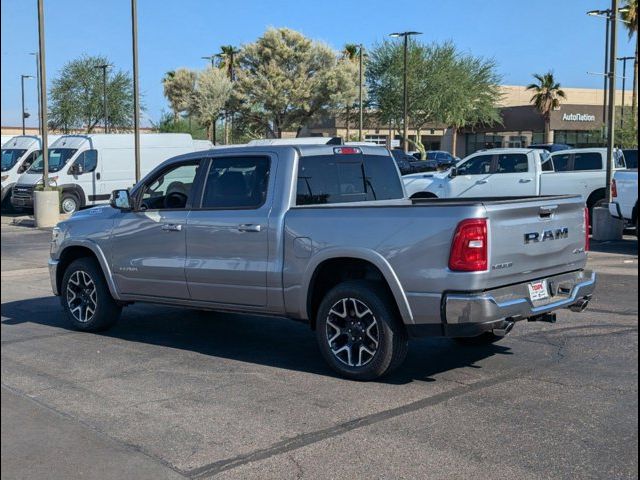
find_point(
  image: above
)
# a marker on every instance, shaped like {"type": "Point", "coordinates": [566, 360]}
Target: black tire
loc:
{"type": "Point", "coordinates": [487, 338]}
{"type": "Point", "coordinates": [391, 346]}
{"type": "Point", "coordinates": [69, 198]}
{"type": "Point", "coordinates": [81, 275]}
{"type": "Point", "coordinates": [596, 199]}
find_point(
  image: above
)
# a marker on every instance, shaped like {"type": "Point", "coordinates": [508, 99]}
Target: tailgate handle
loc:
{"type": "Point", "coordinates": [547, 211]}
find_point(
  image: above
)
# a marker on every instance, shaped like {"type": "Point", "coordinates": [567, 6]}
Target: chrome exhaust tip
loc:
{"type": "Point", "coordinates": [506, 328]}
{"type": "Point", "coordinates": [580, 305]}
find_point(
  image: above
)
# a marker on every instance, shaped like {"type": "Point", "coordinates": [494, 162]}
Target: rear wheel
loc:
{"type": "Point", "coordinates": [86, 298]}
{"type": "Point", "coordinates": [359, 331]}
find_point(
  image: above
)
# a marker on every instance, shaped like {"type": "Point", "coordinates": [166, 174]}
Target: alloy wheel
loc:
{"type": "Point", "coordinates": [82, 296]}
{"type": "Point", "coordinates": [352, 332]}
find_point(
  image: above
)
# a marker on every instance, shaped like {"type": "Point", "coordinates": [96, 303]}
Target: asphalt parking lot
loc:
{"type": "Point", "coordinates": [173, 393]}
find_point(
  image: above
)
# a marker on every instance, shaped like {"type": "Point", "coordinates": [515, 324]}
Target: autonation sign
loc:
{"type": "Point", "coordinates": [578, 117]}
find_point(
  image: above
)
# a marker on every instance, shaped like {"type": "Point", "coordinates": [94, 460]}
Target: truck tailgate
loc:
{"type": "Point", "coordinates": [531, 239]}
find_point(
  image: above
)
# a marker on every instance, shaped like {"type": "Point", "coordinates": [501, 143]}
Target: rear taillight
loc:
{"type": "Point", "coordinates": [614, 188]}
{"type": "Point", "coordinates": [469, 252]}
{"type": "Point", "coordinates": [587, 226]}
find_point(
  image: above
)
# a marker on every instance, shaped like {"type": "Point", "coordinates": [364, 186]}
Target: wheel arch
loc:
{"type": "Point", "coordinates": [595, 196]}
{"type": "Point", "coordinates": [84, 249]}
{"type": "Point", "coordinates": [336, 265]}
{"type": "Point", "coordinates": [76, 190]}
{"type": "Point", "coordinates": [424, 195]}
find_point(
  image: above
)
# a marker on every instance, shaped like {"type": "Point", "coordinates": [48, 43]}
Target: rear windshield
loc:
{"type": "Point", "coordinates": [325, 179]}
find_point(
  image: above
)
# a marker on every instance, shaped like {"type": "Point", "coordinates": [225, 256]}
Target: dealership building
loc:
{"type": "Point", "coordinates": [578, 122]}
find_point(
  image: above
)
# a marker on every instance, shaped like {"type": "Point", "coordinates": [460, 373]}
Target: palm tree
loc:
{"type": "Point", "coordinates": [630, 17]}
{"type": "Point", "coordinates": [546, 98]}
{"type": "Point", "coordinates": [227, 62]}
{"type": "Point", "coordinates": [227, 58]}
{"type": "Point", "coordinates": [350, 52]}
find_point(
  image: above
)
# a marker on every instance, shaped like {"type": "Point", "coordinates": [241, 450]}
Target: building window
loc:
{"type": "Point", "coordinates": [377, 139]}
{"type": "Point", "coordinates": [579, 138]}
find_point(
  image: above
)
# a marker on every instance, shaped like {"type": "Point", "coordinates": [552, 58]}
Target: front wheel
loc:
{"type": "Point", "coordinates": [359, 331]}
{"type": "Point", "coordinates": [86, 298]}
{"type": "Point", "coordinates": [69, 203]}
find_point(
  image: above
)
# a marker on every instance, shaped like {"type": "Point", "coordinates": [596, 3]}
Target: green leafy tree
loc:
{"type": "Point", "coordinates": [547, 96]}
{"type": "Point", "coordinates": [630, 17]}
{"type": "Point", "coordinates": [168, 124]}
{"type": "Point", "coordinates": [76, 97]}
{"type": "Point", "coordinates": [284, 79]}
{"type": "Point", "coordinates": [443, 85]}
{"type": "Point", "coordinates": [179, 86]}
{"type": "Point", "coordinates": [212, 91]}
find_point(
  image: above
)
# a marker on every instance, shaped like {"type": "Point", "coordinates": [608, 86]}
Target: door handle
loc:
{"type": "Point", "coordinates": [482, 182]}
{"type": "Point", "coordinates": [249, 227]}
{"type": "Point", "coordinates": [171, 227]}
{"type": "Point", "coordinates": [525, 180]}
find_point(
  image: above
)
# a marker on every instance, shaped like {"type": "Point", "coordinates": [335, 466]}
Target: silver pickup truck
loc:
{"type": "Point", "coordinates": [323, 234]}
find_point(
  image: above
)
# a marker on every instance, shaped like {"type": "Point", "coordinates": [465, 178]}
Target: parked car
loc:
{"type": "Point", "coordinates": [520, 171]}
{"type": "Point", "coordinates": [87, 168]}
{"type": "Point", "coordinates": [17, 156]}
{"type": "Point", "coordinates": [404, 161]}
{"type": "Point", "coordinates": [550, 147]}
{"type": "Point", "coordinates": [323, 234]}
{"type": "Point", "coordinates": [624, 190]}
{"type": "Point", "coordinates": [630, 157]}
{"type": "Point", "coordinates": [435, 160]}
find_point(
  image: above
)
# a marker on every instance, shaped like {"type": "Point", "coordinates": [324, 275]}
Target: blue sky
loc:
{"type": "Point", "coordinates": [523, 36]}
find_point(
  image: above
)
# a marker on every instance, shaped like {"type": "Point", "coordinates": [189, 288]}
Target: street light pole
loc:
{"type": "Point", "coordinates": [104, 95]}
{"type": "Point", "coordinates": [44, 120]}
{"type": "Point", "coordinates": [607, 16]}
{"type": "Point", "coordinates": [24, 114]}
{"type": "Point", "coordinates": [35, 54]}
{"type": "Point", "coordinates": [360, 98]}
{"type": "Point", "coordinates": [136, 104]}
{"type": "Point", "coordinates": [624, 78]}
{"type": "Point", "coordinates": [405, 114]}
{"type": "Point", "coordinates": [612, 98]}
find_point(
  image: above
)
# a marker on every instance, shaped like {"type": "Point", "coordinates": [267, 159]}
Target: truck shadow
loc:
{"type": "Point", "coordinates": [269, 341]}
{"type": "Point", "coordinates": [627, 246]}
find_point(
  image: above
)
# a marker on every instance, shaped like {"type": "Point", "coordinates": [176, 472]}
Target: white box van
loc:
{"type": "Point", "coordinates": [87, 168]}
{"type": "Point", "coordinates": [5, 138]}
{"type": "Point", "coordinates": [17, 156]}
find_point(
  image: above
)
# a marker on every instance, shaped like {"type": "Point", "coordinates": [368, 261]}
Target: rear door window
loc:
{"type": "Point", "coordinates": [562, 163]}
{"type": "Point", "coordinates": [326, 179]}
{"type": "Point", "coordinates": [587, 161]}
{"type": "Point", "coordinates": [237, 182]}
{"type": "Point", "coordinates": [512, 163]}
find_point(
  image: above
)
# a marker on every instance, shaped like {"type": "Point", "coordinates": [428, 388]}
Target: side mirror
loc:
{"type": "Point", "coordinates": [76, 169]}
{"type": "Point", "coordinates": [121, 200]}
{"type": "Point", "coordinates": [454, 172]}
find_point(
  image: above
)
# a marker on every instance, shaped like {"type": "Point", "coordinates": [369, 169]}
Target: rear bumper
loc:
{"type": "Point", "coordinates": [513, 302]}
{"type": "Point", "coordinates": [614, 210]}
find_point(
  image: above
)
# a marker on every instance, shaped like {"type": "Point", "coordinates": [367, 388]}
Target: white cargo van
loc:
{"type": "Point", "coordinates": [87, 168]}
{"type": "Point", "coordinates": [5, 138]}
{"type": "Point", "coordinates": [17, 156]}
